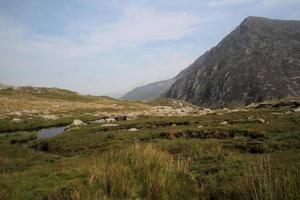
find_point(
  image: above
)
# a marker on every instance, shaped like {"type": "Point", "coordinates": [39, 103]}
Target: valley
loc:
{"type": "Point", "coordinates": [164, 149]}
{"type": "Point", "coordinates": [150, 100]}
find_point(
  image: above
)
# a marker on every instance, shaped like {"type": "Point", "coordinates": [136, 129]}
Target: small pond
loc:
{"type": "Point", "coordinates": [49, 132]}
{"type": "Point", "coordinates": [44, 132]}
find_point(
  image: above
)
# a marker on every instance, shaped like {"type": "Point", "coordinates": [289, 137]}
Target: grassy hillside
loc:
{"type": "Point", "coordinates": [32, 105]}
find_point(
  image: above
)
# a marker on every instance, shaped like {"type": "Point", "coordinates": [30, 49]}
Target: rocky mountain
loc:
{"type": "Point", "coordinates": [154, 90]}
{"type": "Point", "coordinates": [150, 91]}
{"type": "Point", "coordinates": [259, 60]}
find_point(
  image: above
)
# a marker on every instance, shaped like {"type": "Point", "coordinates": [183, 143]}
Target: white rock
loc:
{"type": "Point", "coordinates": [15, 113]}
{"type": "Point", "coordinates": [133, 129]}
{"type": "Point", "coordinates": [100, 121]}
{"type": "Point", "coordinates": [289, 112]}
{"type": "Point", "coordinates": [251, 105]}
{"type": "Point", "coordinates": [78, 122]}
{"type": "Point", "coordinates": [16, 120]}
{"type": "Point", "coordinates": [50, 117]}
{"type": "Point", "coordinates": [224, 123]}
{"type": "Point", "coordinates": [200, 126]}
{"type": "Point", "coordinates": [262, 120]}
{"type": "Point", "coordinates": [46, 112]}
{"type": "Point", "coordinates": [133, 117]}
{"type": "Point", "coordinates": [109, 120]}
{"type": "Point", "coordinates": [297, 109]}
{"type": "Point", "coordinates": [109, 125]}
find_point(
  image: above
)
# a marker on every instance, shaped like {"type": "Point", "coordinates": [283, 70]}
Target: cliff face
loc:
{"type": "Point", "coordinates": [259, 60]}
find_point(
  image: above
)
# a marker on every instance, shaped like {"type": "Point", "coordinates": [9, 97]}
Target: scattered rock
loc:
{"type": "Point", "coordinates": [50, 117]}
{"type": "Point", "coordinates": [121, 118]}
{"type": "Point", "coordinates": [224, 123]}
{"type": "Point", "coordinates": [132, 117]}
{"type": "Point", "coordinates": [277, 113]}
{"type": "Point", "coordinates": [109, 120]}
{"type": "Point", "coordinates": [46, 112]}
{"type": "Point", "coordinates": [289, 112]}
{"type": "Point", "coordinates": [297, 109]}
{"type": "Point", "coordinates": [252, 105]}
{"type": "Point", "coordinates": [16, 119]}
{"type": "Point", "coordinates": [77, 122]}
{"type": "Point", "coordinates": [200, 126]}
{"type": "Point", "coordinates": [262, 121]}
{"type": "Point", "coordinates": [100, 121]}
{"type": "Point", "coordinates": [15, 113]}
{"type": "Point", "coordinates": [173, 125]}
{"type": "Point", "coordinates": [133, 129]}
{"type": "Point", "coordinates": [110, 125]}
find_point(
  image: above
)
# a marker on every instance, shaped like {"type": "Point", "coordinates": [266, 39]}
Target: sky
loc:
{"type": "Point", "coordinates": [107, 47]}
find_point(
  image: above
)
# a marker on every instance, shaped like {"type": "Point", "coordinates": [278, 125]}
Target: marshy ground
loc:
{"type": "Point", "coordinates": [167, 150]}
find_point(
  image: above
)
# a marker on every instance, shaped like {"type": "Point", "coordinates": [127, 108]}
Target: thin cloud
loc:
{"type": "Point", "coordinates": [138, 26]}
{"type": "Point", "coordinates": [57, 60]}
{"type": "Point", "coordinates": [221, 3]}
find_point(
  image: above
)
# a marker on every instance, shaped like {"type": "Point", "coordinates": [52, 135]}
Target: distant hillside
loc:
{"type": "Point", "coordinates": [44, 92]}
{"type": "Point", "coordinates": [150, 91]}
{"type": "Point", "coordinates": [259, 60]}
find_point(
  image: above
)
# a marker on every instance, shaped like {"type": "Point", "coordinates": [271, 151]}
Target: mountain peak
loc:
{"type": "Point", "coordinates": [256, 19]}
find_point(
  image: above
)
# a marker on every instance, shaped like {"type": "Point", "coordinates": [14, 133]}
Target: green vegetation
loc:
{"type": "Point", "coordinates": [262, 182]}
{"type": "Point", "coordinates": [192, 157]}
{"type": "Point", "coordinates": [243, 154]}
{"type": "Point", "coordinates": [35, 123]}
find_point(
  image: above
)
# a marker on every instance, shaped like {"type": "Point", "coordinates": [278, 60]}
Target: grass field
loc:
{"type": "Point", "coordinates": [254, 155]}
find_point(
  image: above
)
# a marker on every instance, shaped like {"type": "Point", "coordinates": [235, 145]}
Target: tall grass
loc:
{"type": "Point", "coordinates": [262, 182]}
{"type": "Point", "coordinates": [139, 172]}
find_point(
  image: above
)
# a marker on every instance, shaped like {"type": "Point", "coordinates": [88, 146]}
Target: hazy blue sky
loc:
{"type": "Point", "coordinates": [110, 46]}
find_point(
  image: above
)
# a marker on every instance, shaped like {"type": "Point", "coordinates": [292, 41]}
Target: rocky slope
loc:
{"type": "Point", "coordinates": [150, 91]}
{"type": "Point", "coordinates": [259, 60]}
{"type": "Point", "coordinates": [154, 90]}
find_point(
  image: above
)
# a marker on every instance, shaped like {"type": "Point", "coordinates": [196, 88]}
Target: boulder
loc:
{"type": "Point", "coordinates": [297, 110]}
{"type": "Point", "coordinates": [109, 120]}
{"type": "Point", "coordinates": [15, 113]}
{"type": "Point", "coordinates": [77, 122]}
{"type": "Point", "coordinates": [133, 129]}
{"type": "Point", "coordinates": [50, 117]}
{"type": "Point", "coordinates": [100, 121]}
{"type": "Point", "coordinates": [121, 118]}
{"type": "Point", "coordinates": [16, 119]}
{"type": "Point", "coordinates": [262, 121]}
{"type": "Point", "coordinates": [224, 123]}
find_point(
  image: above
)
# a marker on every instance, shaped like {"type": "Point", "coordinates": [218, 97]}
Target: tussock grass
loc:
{"type": "Point", "coordinates": [262, 182]}
{"type": "Point", "coordinates": [139, 172]}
